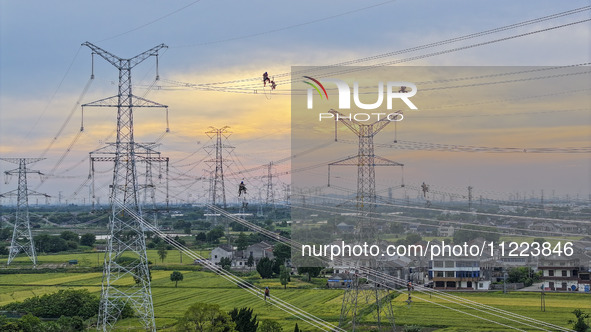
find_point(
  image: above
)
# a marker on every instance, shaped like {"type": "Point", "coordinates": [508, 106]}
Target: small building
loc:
{"type": "Point", "coordinates": [446, 230]}
{"type": "Point", "coordinates": [343, 280]}
{"type": "Point", "coordinates": [220, 252]}
{"type": "Point", "coordinates": [457, 273]}
{"type": "Point", "coordinates": [259, 250]}
{"type": "Point", "coordinates": [561, 273]}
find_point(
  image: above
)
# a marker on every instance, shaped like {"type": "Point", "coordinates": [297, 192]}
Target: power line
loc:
{"type": "Point", "coordinates": [150, 22]}
{"type": "Point", "coordinates": [251, 35]}
{"type": "Point", "coordinates": [211, 85]}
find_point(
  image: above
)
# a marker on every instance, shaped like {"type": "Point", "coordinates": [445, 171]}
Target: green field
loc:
{"type": "Point", "coordinates": [199, 286]}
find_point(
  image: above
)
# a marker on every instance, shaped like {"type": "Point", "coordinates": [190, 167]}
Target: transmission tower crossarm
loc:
{"type": "Point", "coordinates": [379, 125]}
{"type": "Point", "coordinates": [381, 161]}
{"type": "Point", "coordinates": [349, 161]}
{"type": "Point", "coordinates": [111, 58]}
{"type": "Point", "coordinates": [113, 101]}
{"type": "Point", "coordinates": [119, 62]}
{"type": "Point", "coordinates": [350, 123]}
{"type": "Point", "coordinates": [25, 160]}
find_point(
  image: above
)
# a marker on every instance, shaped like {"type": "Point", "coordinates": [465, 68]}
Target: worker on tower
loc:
{"type": "Point", "coordinates": [425, 188]}
{"type": "Point", "coordinates": [266, 79]}
{"type": "Point", "coordinates": [241, 188]}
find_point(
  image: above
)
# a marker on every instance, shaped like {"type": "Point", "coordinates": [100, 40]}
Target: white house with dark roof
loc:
{"type": "Point", "coordinates": [223, 250]}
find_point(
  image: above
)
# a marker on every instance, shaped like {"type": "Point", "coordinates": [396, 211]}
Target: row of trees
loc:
{"type": "Point", "coordinates": [72, 310]}
{"type": "Point", "coordinates": [209, 318]}
{"type": "Point", "coordinates": [67, 240]}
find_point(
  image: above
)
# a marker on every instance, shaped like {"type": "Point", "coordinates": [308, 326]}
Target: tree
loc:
{"type": "Point", "coordinates": [88, 239]}
{"type": "Point", "coordinates": [283, 276]}
{"type": "Point", "coordinates": [30, 323]}
{"type": "Point", "coordinates": [67, 303]}
{"type": "Point", "coordinates": [162, 252]}
{"type": "Point", "coordinates": [282, 252]}
{"type": "Point", "coordinates": [244, 320]}
{"type": "Point", "coordinates": [277, 266]}
{"type": "Point", "coordinates": [312, 271]}
{"type": "Point", "coordinates": [522, 274]}
{"type": "Point", "coordinates": [200, 237]}
{"type": "Point", "coordinates": [270, 326]}
{"type": "Point", "coordinates": [206, 318]}
{"type": "Point", "coordinates": [581, 324]}
{"type": "Point", "coordinates": [70, 236]}
{"type": "Point", "coordinates": [226, 263]}
{"type": "Point", "coordinates": [5, 233]}
{"type": "Point", "coordinates": [265, 268]}
{"type": "Point", "coordinates": [249, 262]}
{"type": "Point", "coordinates": [242, 241]}
{"type": "Point", "coordinates": [215, 234]}
{"type": "Point", "coordinates": [180, 240]}
{"type": "Point", "coordinates": [176, 276]}
{"type": "Point", "coordinates": [296, 328]}
{"type": "Point", "coordinates": [413, 238]}
{"type": "Point", "coordinates": [48, 243]}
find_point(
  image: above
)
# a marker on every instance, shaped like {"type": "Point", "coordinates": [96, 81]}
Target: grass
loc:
{"type": "Point", "coordinates": [199, 286]}
{"type": "Point", "coordinates": [95, 258]}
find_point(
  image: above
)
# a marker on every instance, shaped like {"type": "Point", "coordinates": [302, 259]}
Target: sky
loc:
{"type": "Point", "coordinates": [44, 71]}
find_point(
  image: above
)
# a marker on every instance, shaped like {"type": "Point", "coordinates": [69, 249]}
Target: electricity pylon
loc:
{"type": "Point", "coordinates": [126, 277]}
{"type": "Point", "coordinates": [363, 291]}
{"type": "Point", "coordinates": [270, 195]}
{"type": "Point", "coordinates": [216, 162]}
{"type": "Point", "coordinates": [22, 239]}
{"type": "Point", "coordinates": [145, 154]}
{"type": "Point", "coordinates": [365, 161]}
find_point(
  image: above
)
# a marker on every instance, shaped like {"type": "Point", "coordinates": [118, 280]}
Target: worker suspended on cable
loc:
{"type": "Point", "coordinates": [241, 188]}
{"type": "Point", "coordinates": [409, 286]}
{"type": "Point", "coordinates": [273, 85]}
{"type": "Point", "coordinates": [267, 293]}
{"type": "Point", "coordinates": [266, 79]}
{"type": "Point", "coordinates": [425, 189]}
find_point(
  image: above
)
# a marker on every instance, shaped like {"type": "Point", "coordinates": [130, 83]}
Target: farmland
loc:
{"type": "Point", "coordinates": [201, 286]}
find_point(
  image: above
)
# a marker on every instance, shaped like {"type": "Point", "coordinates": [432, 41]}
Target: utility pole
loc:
{"type": "Point", "coordinates": [22, 239]}
{"type": "Point", "coordinates": [470, 197]}
{"type": "Point", "coordinates": [125, 281]}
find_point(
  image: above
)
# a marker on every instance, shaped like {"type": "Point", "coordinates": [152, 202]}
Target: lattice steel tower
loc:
{"type": "Point", "coordinates": [22, 239]}
{"type": "Point", "coordinates": [125, 281]}
{"type": "Point", "coordinates": [270, 194]}
{"type": "Point", "coordinates": [365, 161]}
{"type": "Point", "coordinates": [216, 161]}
